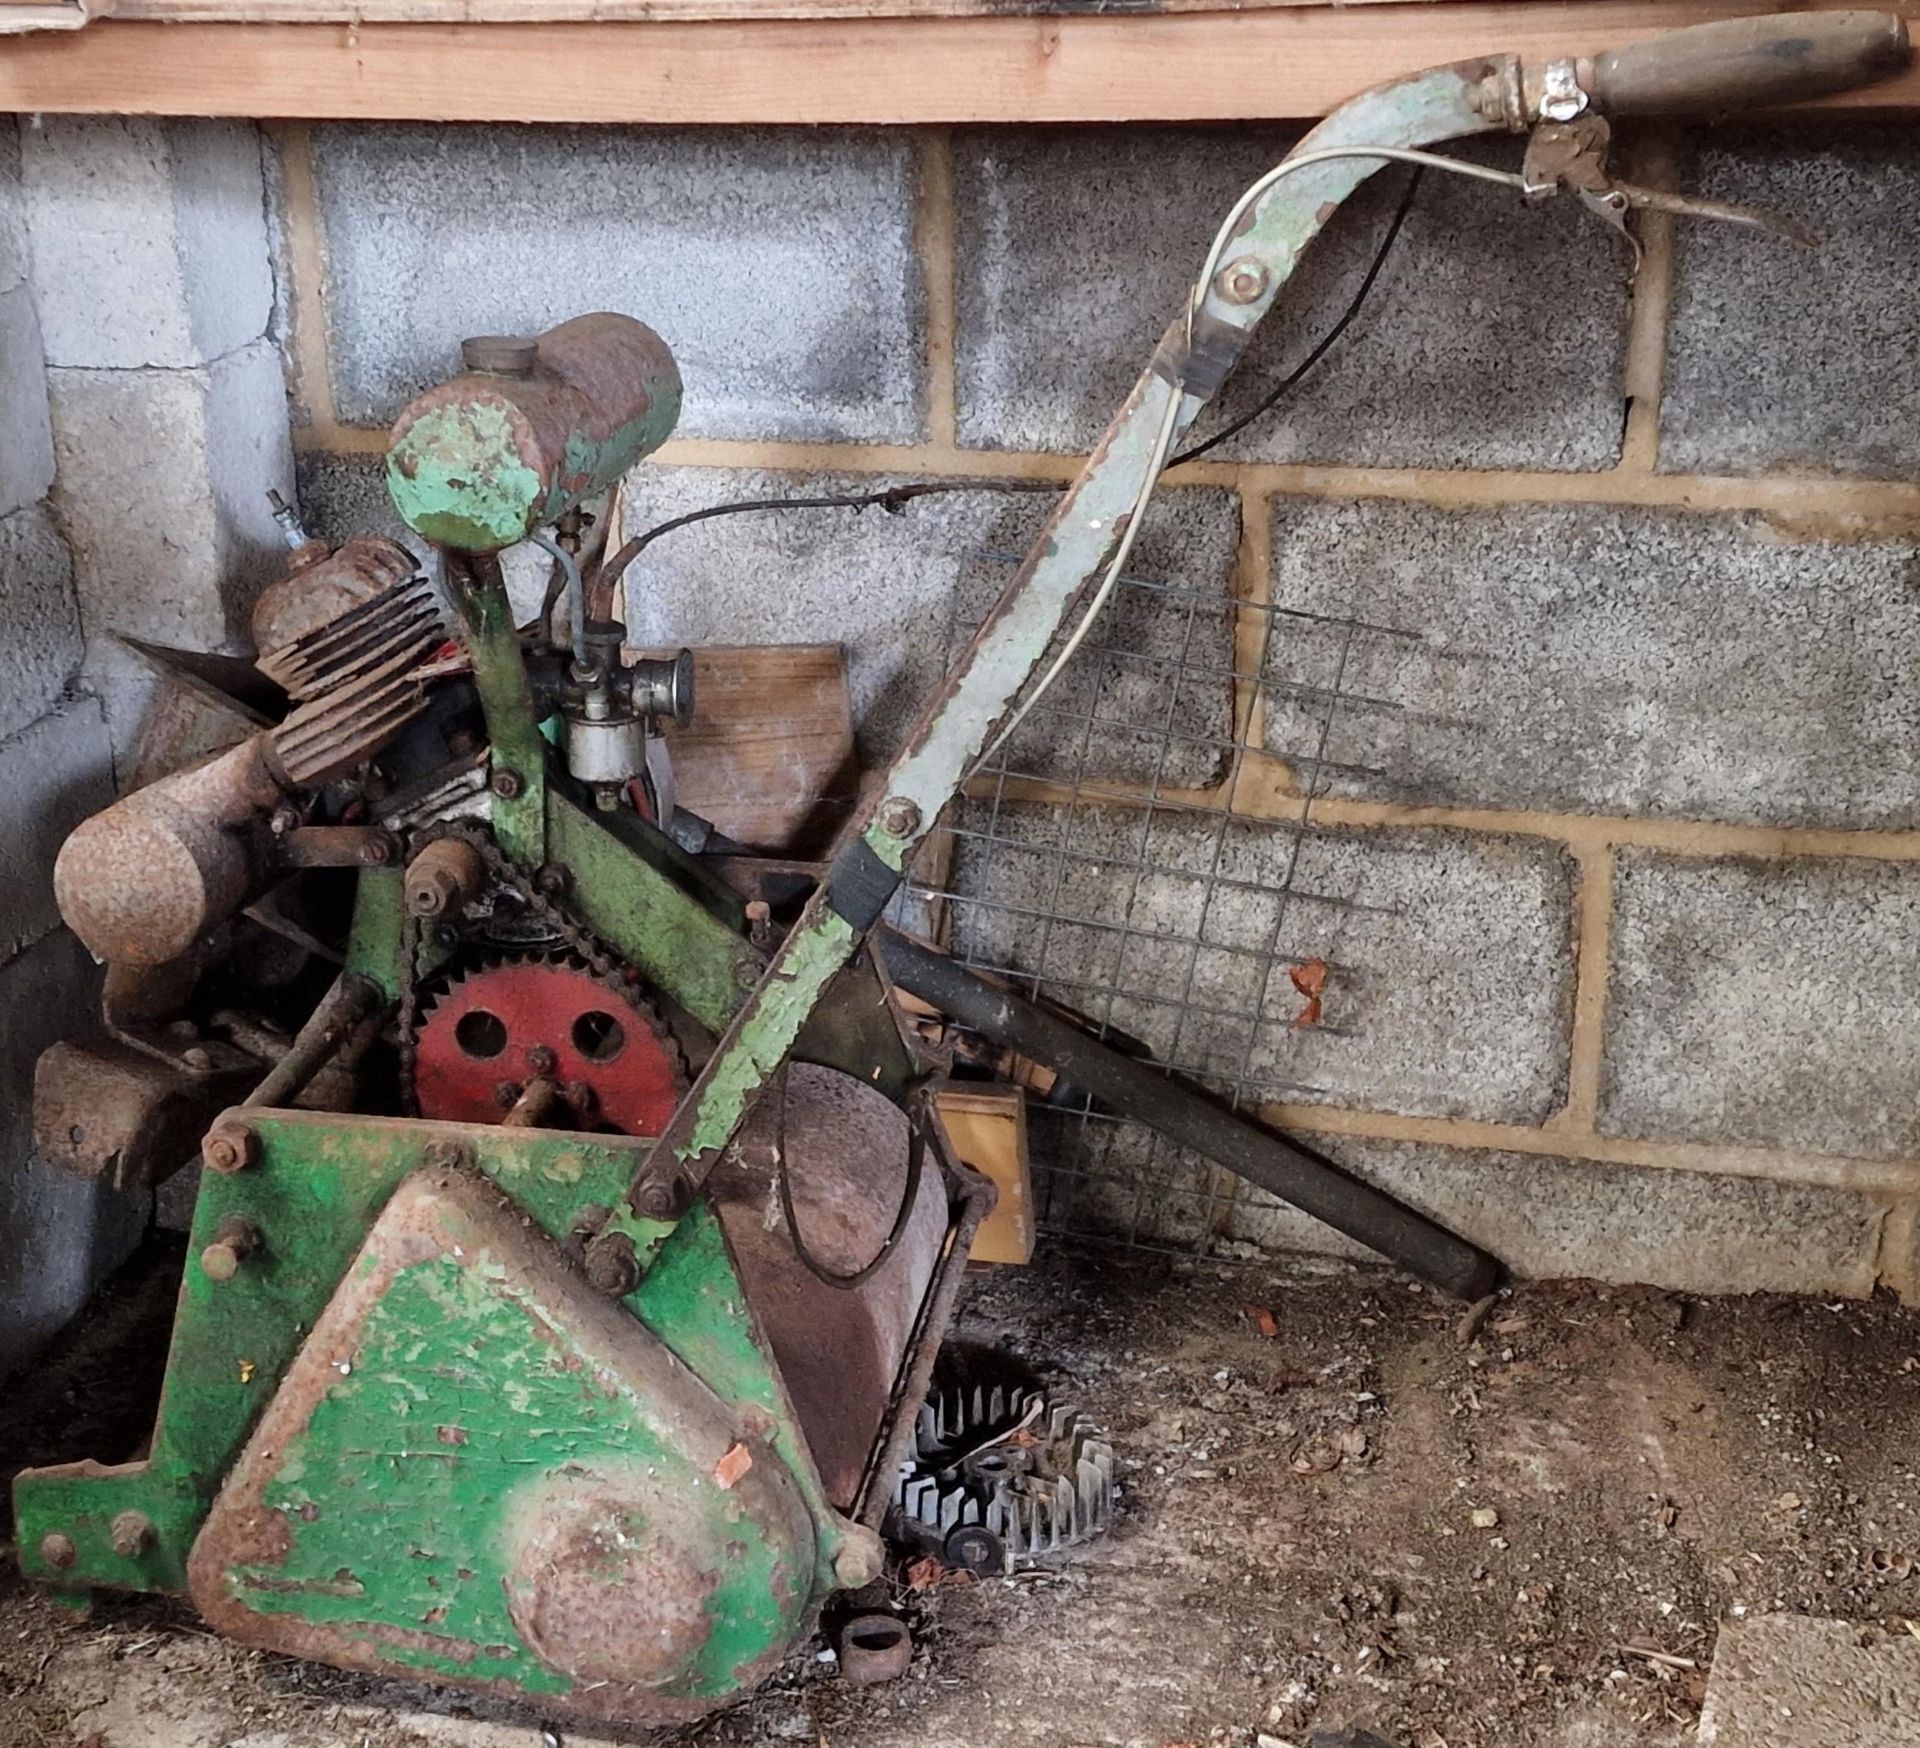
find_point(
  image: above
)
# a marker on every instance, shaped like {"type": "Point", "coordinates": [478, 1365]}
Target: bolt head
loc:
{"type": "Point", "coordinates": [541, 1060]}
{"type": "Point", "coordinates": [230, 1147]}
{"type": "Point", "coordinates": [220, 1261]}
{"type": "Point", "coordinates": [899, 817]}
{"type": "Point", "coordinates": [57, 1549]}
{"type": "Point", "coordinates": [377, 851]}
{"type": "Point", "coordinates": [859, 1559]}
{"type": "Point", "coordinates": [507, 1094]}
{"type": "Point", "coordinates": [747, 971]}
{"type": "Point", "coordinates": [661, 1198]}
{"type": "Point", "coordinates": [554, 879]}
{"type": "Point", "coordinates": [506, 783]}
{"type": "Point", "coordinates": [612, 1266]}
{"type": "Point", "coordinates": [1243, 281]}
{"type": "Point", "coordinates": [132, 1534]}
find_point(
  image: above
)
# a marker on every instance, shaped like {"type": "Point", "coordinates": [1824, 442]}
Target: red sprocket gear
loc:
{"type": "Point", "coordinates": [493, 1028]}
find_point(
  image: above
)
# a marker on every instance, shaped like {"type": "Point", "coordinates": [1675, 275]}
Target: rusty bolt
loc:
{"type": "Point", "coordinates": [612, 1265]}
{"type": "Point", "coordinates": [554, 879]}
{"type": "Point", "coordinates": [506, 783]}
{"type": "Point", "coordinates": [131, 1534]}
{"type": "Point", "coordinates": [234, 1240]}
{"type": "Point", "coordinates": [197, 1058]}
{"type": "Point", "coordinates": [57, 1549]}
{"type": "Point", "coordinates": [506, 1094]}
{"type": "Point", "coordinates": [378, 849]}
{"type": "Point", "coordinates": [859, 1559]}
{"type": "Point", "coordinates": [1243, 281]}
{"type": "Point", "coordinates": [661, 1198]}
{"type": "Point", "coordinates": [579, 1095]}
{"type": "Point", "coordinates": [230, 1147]}
{"type": "Point", "coordinates": [748, 970]}
{"type": "Point", "coordinates": [899, 817]}
{"type": "Point", "coordinates": [541, 1060]}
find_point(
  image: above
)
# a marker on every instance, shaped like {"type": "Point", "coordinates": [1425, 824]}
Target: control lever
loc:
{"type": "Point", "coordinates": [1571, 157]}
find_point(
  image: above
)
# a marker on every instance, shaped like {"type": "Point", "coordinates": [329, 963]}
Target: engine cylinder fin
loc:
{"type": "Point", "coordinates": [1038, 1475]}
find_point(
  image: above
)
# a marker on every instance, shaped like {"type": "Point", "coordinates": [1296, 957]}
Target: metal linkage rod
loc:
{"type": "Point", "coordinates": [1187, 1118]}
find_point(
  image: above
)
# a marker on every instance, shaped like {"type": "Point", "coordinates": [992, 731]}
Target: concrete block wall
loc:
{"type": "Point", "coordinates": [60, 1235]}
{"type": "Point", "coordinates": [1636, 856]}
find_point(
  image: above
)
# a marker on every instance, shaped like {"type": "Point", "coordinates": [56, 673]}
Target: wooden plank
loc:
{"type": "Point", "coordinates": [768, 756]}
{"type": "Point", "coordinates": [623, 11]}
{"type": "Point", "coordinates": [1285, 62]}
{"type": "Point", "coordinates": [987, 1126]}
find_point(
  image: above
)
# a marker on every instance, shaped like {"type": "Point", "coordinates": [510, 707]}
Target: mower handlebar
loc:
{"type": "Point", "coordinates": [1749, 63]}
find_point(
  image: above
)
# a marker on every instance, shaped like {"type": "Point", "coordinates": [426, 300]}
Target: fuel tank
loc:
{"type": "Point", "coordinates": [530, 428]}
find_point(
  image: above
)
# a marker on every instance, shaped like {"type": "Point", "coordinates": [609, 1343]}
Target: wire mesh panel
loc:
{"type": "Point", "coordinates": [1103, 861]}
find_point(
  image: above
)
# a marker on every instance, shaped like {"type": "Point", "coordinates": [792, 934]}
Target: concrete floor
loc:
{"type": "Point", "coordinates": [1573, 1527]}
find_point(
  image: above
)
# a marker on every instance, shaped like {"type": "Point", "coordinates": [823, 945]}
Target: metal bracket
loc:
{"type": "Point", "coordinates": [1570, 157]}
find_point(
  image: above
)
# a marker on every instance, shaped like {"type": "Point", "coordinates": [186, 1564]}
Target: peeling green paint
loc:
{"type": "Point", "coordinates": [321, 1181]}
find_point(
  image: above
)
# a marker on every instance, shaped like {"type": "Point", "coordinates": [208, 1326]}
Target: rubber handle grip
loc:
{"type": "Point", "coordinates": [1749, 63]}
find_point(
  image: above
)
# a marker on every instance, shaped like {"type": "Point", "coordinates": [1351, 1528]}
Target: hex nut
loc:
{"type": "Point", "coordinates": [506, 783]}
{"type": "Point", "coordinates": [612, 1266]}
{"type": "Point", "coordinates": [899, 817]}
{"type": "Point", "coordinates": [661, 1198]}
{"type": "Point", "coordinates": [57, 1549]}
{"type": "Point", "coordinates": [1243, 281]}
{"type": "Point", "coordinates": [230, 1147]}
{"type": "Point", "coordinates": [860, 1558]}
{"type": "Point", "coordinates": [131, 1534]}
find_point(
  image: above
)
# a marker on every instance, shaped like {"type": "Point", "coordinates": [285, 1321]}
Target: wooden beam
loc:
{"type": "Point", "coordinates": [1218, 66]}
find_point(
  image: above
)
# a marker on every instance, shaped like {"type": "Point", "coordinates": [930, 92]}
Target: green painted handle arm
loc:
{"type": "Point", "coordinates": [1440, 104]}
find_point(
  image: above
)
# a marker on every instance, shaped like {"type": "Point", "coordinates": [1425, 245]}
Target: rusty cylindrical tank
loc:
{"type": "Point", "coordinates": [529, 429]}
{"type": "Point", "coordinates": [140, 882]}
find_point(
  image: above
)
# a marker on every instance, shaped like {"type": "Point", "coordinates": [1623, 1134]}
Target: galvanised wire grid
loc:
{"type": "Point", "coordinates": [1097, 863]}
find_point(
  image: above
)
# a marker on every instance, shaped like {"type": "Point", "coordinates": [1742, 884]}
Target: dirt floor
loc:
{"type": "Point", "coordinates": [1343, 1509]}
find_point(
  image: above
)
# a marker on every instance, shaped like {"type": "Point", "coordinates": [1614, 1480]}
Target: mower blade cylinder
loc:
{"type": "Point", "coordinates": [530, 429]}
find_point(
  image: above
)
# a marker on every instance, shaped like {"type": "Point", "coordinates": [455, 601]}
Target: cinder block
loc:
{"type": "Point", "coordinates": [778, 265]}
{"type": "Point", "coordinates": [1545, 1217]}
{"type": "Point", "coordinates": [53, 774]}
{"type": "Point", "coordinates": [26, 443]}
{"type": "Point", "coordinates": [41, 653]}
{"type": "Point", "coordinates": [1494, 338]}
{"type": "Point", "coordinates": [149, 239]}
{"type": "Point", "coordinates": [1449, 955]}
{"type": "Point", "coordinates": [1789, 359]}
{"type": "Point", "coordinates": [61, 1235]}
{"type": "Point", "coordinates": [1774, 1003]}
{"type": "Point", "coordinates": [163, 482]}
{"type": "Point", "coordinates": [1584, 658]}
{"type": "Point", "coordinates": [903, 591]}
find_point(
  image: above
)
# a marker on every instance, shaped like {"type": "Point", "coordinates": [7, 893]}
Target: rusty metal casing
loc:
{"type": "Point", "coordinates": [321, 586]}
{"type": "Point", "coordinates": [530, 429]}
{"type": "Point", "coordinates": [141, 881]}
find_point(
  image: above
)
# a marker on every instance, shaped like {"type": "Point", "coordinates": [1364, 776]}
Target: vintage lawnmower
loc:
{"type": "Point", "coordinates": [573, 1250]}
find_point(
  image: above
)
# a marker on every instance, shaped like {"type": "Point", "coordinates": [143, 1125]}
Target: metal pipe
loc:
{"type": "Point", "coordinates": [349, 1004]}
{"type": "Point", "coordinates": [1189, 1119]}
{"type": "Point", "coordinates": [576, 592]}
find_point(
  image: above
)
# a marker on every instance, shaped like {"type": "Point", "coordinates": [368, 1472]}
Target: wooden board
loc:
{"type": "Point", "coordinates": [768, 757]}
{"type": "Point", "coordinates": [1279, 62]}
{"type": "Point", "coordinates": [608, 11]}
{"type": "Point", "coordinates": [988, 1128]}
